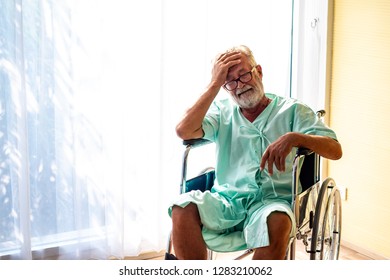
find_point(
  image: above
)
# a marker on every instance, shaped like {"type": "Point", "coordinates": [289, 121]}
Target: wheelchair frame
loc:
{"type": "Point", "coordinates": [317, 208]}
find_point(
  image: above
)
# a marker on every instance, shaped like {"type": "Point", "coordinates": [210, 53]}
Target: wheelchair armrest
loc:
{"type": "Point", "coordinates": [194, 143]}
{"type": "Point", "coordinates": [189, 145]}
{"type": "Point", "coordinates": [303, 151]}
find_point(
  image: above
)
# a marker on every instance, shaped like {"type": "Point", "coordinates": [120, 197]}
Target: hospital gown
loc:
{"type": "Point", "coordinates": [235, 211]}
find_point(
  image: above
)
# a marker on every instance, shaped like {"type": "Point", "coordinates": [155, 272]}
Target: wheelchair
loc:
{"type": "Point", "coordinates": [317, 208]}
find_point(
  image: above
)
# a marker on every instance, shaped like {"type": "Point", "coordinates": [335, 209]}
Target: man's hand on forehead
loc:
{"type": "Point", "coordinates": [222, 65]}
{"type": "Point", "coordinates": [230, 55]}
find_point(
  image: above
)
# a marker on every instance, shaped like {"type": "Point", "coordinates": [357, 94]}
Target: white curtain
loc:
{"type": "Point", "coordinates": [90, 92]}
{"type": "Point", "coordinates": [311, 54]}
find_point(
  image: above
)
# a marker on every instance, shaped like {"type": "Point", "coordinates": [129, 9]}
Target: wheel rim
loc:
{"type": "Point", "coordinates": [327, 225]}
{"type": "Point", "coordinates": [331, 228]}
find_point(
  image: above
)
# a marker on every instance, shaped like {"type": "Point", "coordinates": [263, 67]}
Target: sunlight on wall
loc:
{"type": "Point", "coordinates": [360, 79]}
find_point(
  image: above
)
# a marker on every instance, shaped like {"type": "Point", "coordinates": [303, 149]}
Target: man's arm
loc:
{"type": "Point", "coordinates": [277, 152]}
{"type": "Point", "coordinates": [190, 126]}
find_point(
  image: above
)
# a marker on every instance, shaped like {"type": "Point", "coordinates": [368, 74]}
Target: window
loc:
{"type": "Point", "coordinates": [89, 98]}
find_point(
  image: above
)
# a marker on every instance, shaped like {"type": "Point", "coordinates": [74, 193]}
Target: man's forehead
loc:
{"type": "Point", "coordinates": [238, 69]}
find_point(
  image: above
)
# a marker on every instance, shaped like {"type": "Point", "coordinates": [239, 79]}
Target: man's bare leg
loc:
{"type": "Point", "coordinates": [187, 236]}
{"type": "Point", "coordinates": [279, 228]}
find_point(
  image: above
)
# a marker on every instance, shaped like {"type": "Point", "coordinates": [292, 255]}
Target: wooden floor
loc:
{"type": "Point", "coordinates": [345, 254]}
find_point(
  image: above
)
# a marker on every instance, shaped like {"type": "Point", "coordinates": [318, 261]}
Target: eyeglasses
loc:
{"type": "Point", "coordinates": [244, 78]}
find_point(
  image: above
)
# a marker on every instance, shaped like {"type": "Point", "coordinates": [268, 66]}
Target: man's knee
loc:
{"type": "Point", "coordinates": [279, 227]}
{"type": "Point", "coordinates": [188, 213]}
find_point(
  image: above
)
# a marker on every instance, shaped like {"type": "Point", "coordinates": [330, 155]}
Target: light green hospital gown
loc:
{"type": "Point", "coordinates": [235, 211]}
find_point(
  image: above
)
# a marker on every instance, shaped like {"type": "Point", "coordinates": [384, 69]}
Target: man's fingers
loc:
{"type": "Point", "coordinates": [263, 160]}
{"type": "Point", "coordinates": [269, 161]}
{"type": "Point", "coordinates": [229, 59]}
{"type": "Point", "coordinates": [279, 163]}
{"type": "Point", "coordinates": [228, 55]}
{"type": "Point", "coordinates": [270, 166]}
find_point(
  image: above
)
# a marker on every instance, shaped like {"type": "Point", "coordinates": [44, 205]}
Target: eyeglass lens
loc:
{"type": "Point", "coordinates": [243, 79]}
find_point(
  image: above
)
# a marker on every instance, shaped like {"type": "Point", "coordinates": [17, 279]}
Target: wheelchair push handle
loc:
{"type": "Point", "coordinates": [321, 113]}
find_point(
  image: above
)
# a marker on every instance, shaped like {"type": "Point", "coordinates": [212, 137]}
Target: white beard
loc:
{"type": "Point", "coordinates": [248, 99]}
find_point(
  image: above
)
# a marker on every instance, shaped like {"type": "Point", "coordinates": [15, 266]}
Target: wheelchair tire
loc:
{"type": "Point", "coordinates": [326, 234]}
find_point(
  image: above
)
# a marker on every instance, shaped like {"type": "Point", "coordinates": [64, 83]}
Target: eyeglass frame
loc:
{"type": "Point", "coordinates": [239, 79]}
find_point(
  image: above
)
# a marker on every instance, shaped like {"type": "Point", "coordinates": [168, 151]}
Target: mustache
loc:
{"type": "Point", "coordinates": [242, 90]}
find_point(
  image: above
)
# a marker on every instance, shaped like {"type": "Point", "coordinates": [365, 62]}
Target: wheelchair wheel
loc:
{"type": "Point", "coordinates": [325, 241]}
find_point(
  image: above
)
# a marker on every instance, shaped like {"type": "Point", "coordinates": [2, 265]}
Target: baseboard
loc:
{"type": "Point", "coordinates": [363, 251]}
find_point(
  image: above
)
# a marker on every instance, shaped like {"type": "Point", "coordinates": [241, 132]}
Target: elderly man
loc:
{"type": "Point", "coordinates": [256, 137]}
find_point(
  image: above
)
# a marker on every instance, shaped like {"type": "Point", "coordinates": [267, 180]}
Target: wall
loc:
{"type": "Point", "coordinates": [360, 114]}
